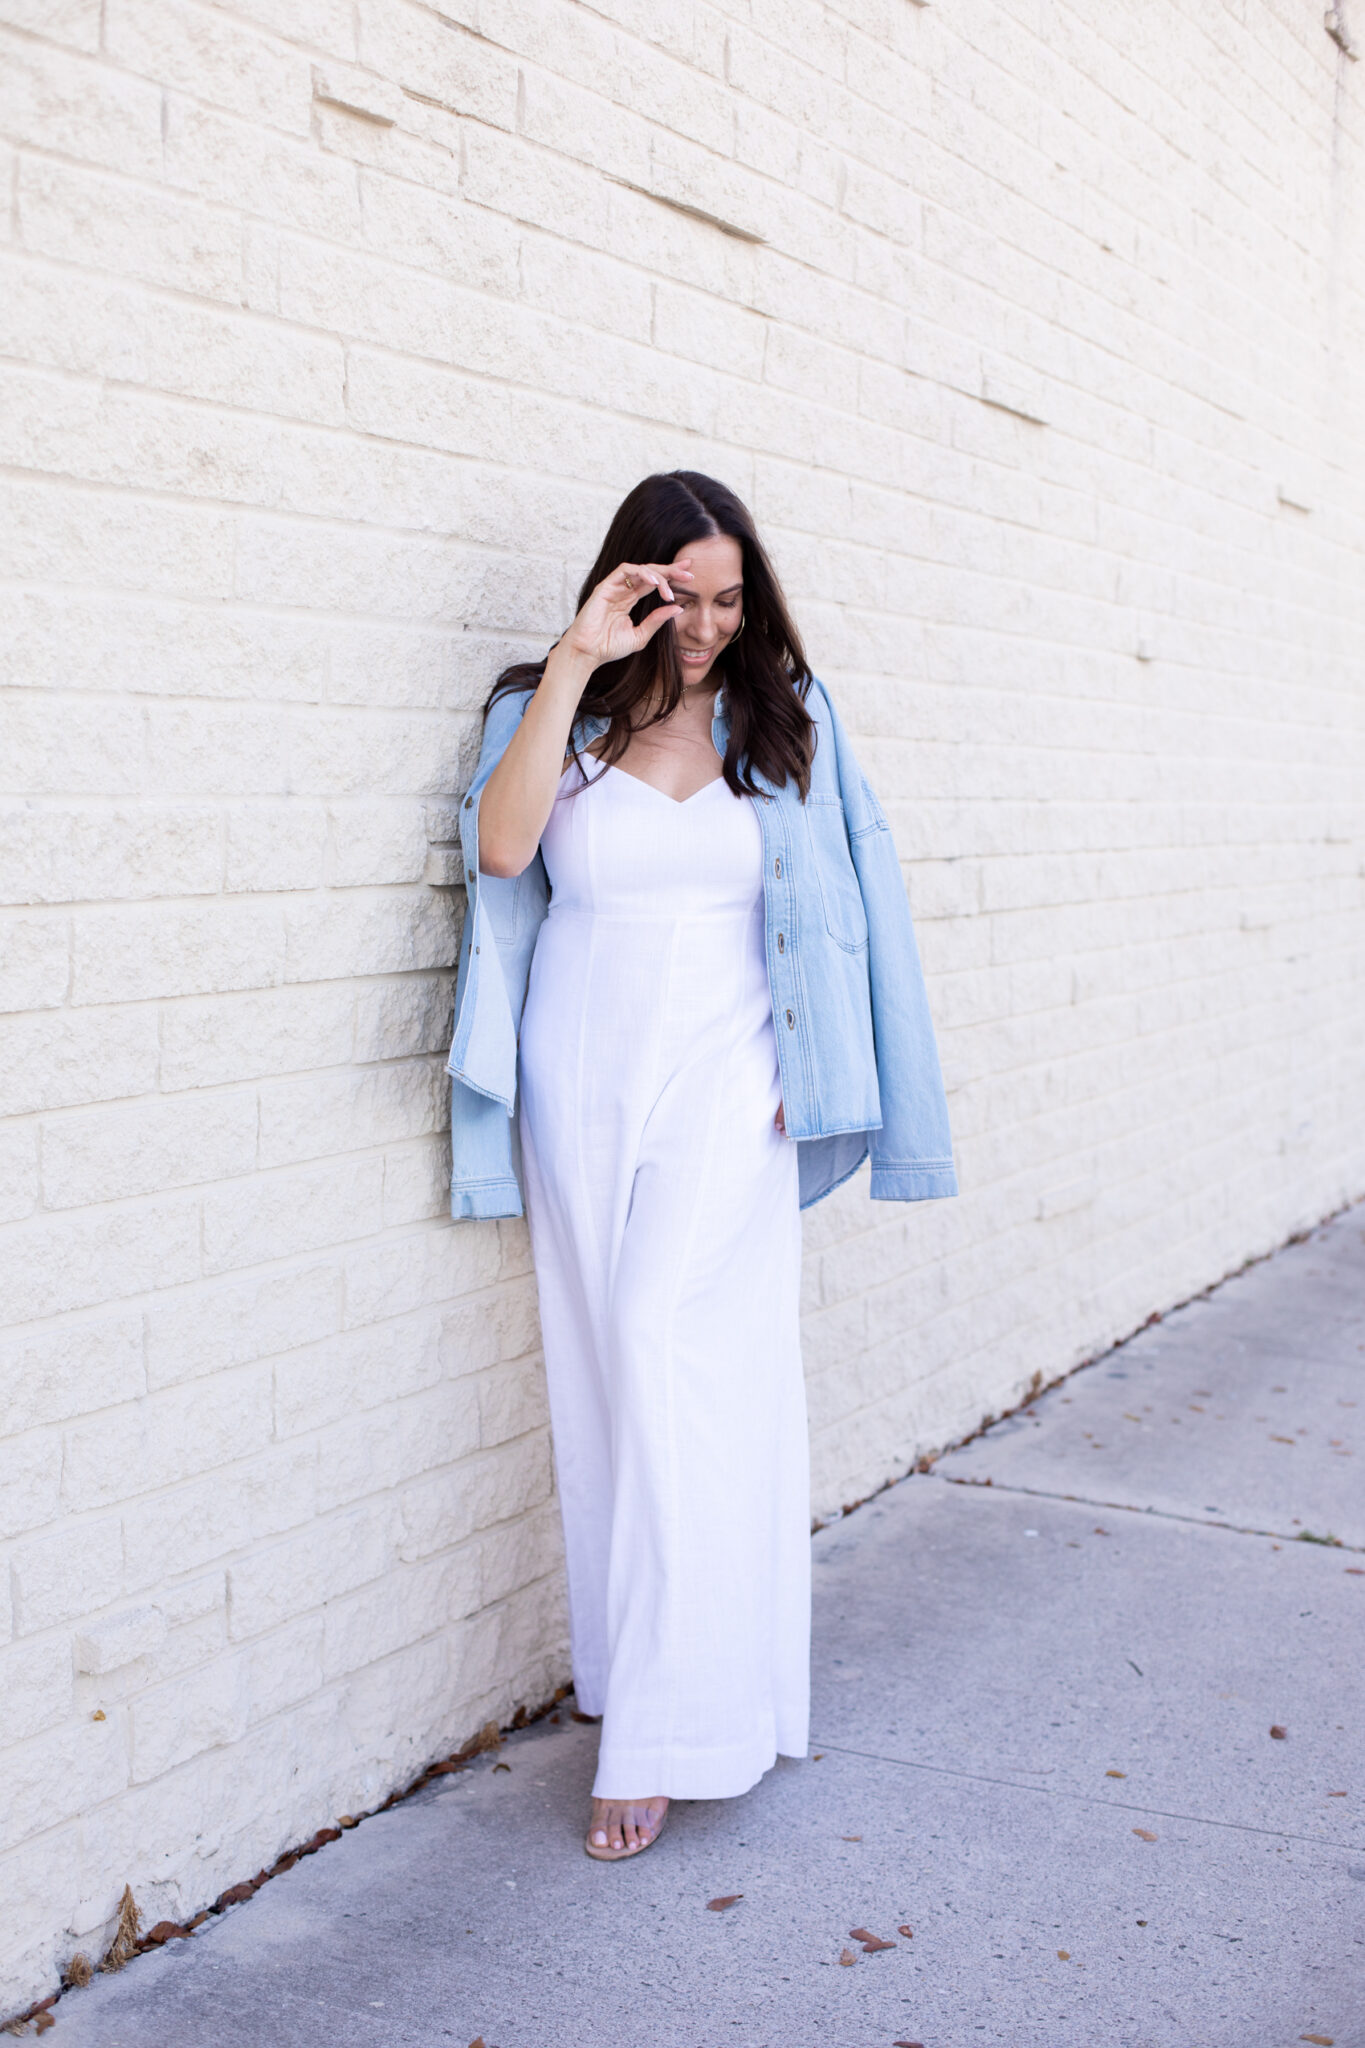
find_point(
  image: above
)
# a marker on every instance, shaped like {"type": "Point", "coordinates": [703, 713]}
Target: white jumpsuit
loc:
{"type": "Point", "coordinates": [664, 1224]}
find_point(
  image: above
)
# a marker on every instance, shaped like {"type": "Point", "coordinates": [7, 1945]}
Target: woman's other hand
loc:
{"type": "Point", "coordinates": [780, 1121]}
{"type": "Point", "coordinates": [604, 630]}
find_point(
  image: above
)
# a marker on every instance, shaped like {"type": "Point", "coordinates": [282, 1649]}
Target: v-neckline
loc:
{"type": "Point", "coordinates": [679, 802]}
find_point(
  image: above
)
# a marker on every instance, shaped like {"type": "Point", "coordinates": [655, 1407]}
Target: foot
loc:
{"type": "Point", "coordinates": [623, 1827]}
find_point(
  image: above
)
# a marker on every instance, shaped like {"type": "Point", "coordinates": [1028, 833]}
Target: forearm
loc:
{"type": "Point", "coordinates": [518, 795]}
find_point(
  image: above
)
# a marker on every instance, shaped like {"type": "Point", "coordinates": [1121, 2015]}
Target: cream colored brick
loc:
{"type": "Point", "coordinates": [416, 1270]}
{"type": "Point", "coordinates": [174, 1722]}
{"type": "Point", "coordinates": [496, 1486]}
{"type": "Point", "coordinates": [169, 951]}
{"type": "Point", "coordinates": [287, 1579]}
{"type": "Point", "coordinates": [421, 53]}
{"type": "Point", "coordinates": [371, 1454]}
{"type": "Point", "coordinates": [89, 1258]}
{"type": "Point", "coordinates": [76, 1368]}
{"type": "Point", "coordinates": [99, 1156]}
{"type": "Point", "coordinates": [58, 1776]}
{"type": "Point", "coordinates": [166, 1437]}
{"type": "Point", "coordinates": [243, 1036]}
{"type": "Point", "coordinates": [18, 1172]}
{"type": "Point", "coordinates": [221, 1515]}
{"type": "Point", "coordinates": [275, 847]}
{"type": "Point", "coordinates": [80, 217]}
{"type": "Point", "coordinates": [236, 162]}
{"type": "Point", "coordinates": [283, 1214]}
{"type": "Point", "coordinates": [65, 1573]}
{"type": "Point", "coordinates": [118, 1639]}
{"type": "Point", "coordinates": [30, 1487]}
{"type": "Point", "coordinates": [35, 961]}
{"type": "Point", "coordinates": [70, 855]}
{"type": "Point", "coordinates": [73, 22]}
{"type": "Point", "coordinates": [419, 1601]}
{"type": "Point", "coordinates": [52, 101]}
{"type": "Point", "coordinates": [213, 56]}
{"type": "Point", "coordinates": [405, 1016]}
{"type": "Point", "coordinates": [344, 1376]}
{"type": "Point", "coordinates": [81, 642]}
{"type": "Point", "coordinates": [211, 1326]}
{"type": "Point", "coordinates": [103, 755]}
{"type": "Point", "coordinates": [417, 1182]}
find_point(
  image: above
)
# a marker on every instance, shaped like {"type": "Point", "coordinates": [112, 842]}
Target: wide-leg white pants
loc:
{"type": "Point", "coordinates": [666, 1237]}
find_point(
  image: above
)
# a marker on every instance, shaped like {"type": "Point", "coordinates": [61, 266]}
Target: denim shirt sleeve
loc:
{"type": "Point", "coordinates": [912, 1153]}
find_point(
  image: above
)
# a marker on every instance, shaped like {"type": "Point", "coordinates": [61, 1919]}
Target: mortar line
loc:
{"type": "Point", "coordinates": [1089, 1799]}
{"type": "Point", "coordinates": [1124, 1507]}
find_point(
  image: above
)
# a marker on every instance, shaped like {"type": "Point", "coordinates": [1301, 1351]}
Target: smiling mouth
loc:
{"type": "Point", "coordinates": [696, 653]}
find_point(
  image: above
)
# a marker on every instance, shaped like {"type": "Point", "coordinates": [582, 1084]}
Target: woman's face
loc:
{"type": "Point", "coordinates": [712, 608]}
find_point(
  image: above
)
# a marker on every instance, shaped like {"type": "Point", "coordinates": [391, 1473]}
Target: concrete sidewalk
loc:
{"type": "Point", "coordinates": [1046, 1677]}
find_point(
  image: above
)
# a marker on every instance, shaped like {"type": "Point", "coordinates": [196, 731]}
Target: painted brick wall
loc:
{"type": "Point", "coordinates": [330, 333]}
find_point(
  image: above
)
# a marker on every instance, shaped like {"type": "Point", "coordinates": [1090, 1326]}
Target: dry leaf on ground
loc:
{"type": "Point", "coordinates": [719, 1905]}
{"type": "Point", "coordinates": [871, 1942]}
{"type": "Point", "coordinates": [164, 1931]}
{"type": "Point", "coordinates": [1116, 1774]}
{"type": "Point", "coordinates": [847, 1958]}
{"type": "Point", "coordinates": [1144, 1834]}
{"type": "Point", "coordinates": [1277, 1732]}
{"type": "Point", "coordinates": [908, 1932]}
{"type": "Point", "coordinates": [1319, 2040]}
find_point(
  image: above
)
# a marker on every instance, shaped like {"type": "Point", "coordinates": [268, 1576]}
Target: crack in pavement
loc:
{"type": "Point", "coordinates": [1128, 1507]}
{"type": "Point", "coordinates": [1089, 1798]}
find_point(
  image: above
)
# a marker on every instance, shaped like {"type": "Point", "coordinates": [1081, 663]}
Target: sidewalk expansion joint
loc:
{"type": "Point", "coordinates": [1128, 1507]}
{"type": "Point", "coordinates": [1199, 1820]}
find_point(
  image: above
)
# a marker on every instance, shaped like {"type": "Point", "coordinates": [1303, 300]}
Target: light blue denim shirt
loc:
{"type": "Point", "coordinates": [855, 1041]}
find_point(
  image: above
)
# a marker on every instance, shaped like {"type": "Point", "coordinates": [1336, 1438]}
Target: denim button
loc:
{"type": "Point", "coordinates": [468, 802]}
{"type": "Point", "coordinates": [777, 865]}
{"type": "Point", "coordinates": [791, 1021]}
{"type": "Point", "coordinates": [781, 943]}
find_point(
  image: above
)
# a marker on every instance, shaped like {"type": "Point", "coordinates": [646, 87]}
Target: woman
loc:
{"type": "Point", "coordinates": [688, 940]}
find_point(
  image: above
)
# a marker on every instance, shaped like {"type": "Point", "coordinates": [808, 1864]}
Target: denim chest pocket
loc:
{"type": "Point", "coordinates": [845, 917]}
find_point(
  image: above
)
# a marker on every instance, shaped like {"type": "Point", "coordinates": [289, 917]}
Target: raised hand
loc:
{"type": "Point", "coordinates": [604, 630]}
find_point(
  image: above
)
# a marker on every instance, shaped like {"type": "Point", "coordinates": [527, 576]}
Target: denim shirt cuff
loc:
{"type": "Point", "coordinates": [912, 1183]}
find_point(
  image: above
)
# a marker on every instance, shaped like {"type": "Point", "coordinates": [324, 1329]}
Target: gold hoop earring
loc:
{"type": "Point", "coordinates": [738, 630]}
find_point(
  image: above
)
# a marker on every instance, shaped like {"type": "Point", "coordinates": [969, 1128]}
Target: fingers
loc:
{"type": "Point", "coordinates": [648, 627]}
{"type": "Point", "coordinates": [634, 580]}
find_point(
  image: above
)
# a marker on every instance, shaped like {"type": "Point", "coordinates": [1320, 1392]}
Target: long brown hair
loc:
{"type": "Point", "coordinates": [764, 668]}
